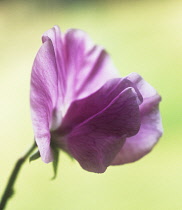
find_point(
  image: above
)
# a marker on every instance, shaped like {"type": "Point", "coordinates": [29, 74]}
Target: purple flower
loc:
{"type": "Point", "coordinates": [81, 105]}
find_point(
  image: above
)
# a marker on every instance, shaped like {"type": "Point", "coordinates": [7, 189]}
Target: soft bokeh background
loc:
{"type": "Point", "coordinates": [141, 36]}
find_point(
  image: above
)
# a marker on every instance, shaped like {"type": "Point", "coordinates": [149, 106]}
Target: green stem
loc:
{"type": "Point", "coordinates": [9, 187]}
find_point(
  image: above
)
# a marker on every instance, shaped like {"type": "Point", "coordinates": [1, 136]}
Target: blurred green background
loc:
{"type": "Point", "coordinates": [141, 36]}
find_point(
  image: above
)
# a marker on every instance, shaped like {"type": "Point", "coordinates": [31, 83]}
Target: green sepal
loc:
{"type": "Point", "coordinates": [55, 162]}
{"type": "Point", "coordinates": [35, 156]}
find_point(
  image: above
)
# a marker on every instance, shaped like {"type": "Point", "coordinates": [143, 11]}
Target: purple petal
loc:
{"type": "Point", "coordinates": [83, 67]}
{"type": "Point", "coordinates": [81, 110]}
{"type": "Point", "coordinates": [96, 141]}
{"type": "Point", "coordinates": [43, 97]}
{"type": "Point", "coordinates": [55, 36]}
{"type": "Point", "coordinates": [144, 87]}
{"type": "Point", "coordinates": [150, 131]}
{"type": "Point", "coordinates": [88, 65]}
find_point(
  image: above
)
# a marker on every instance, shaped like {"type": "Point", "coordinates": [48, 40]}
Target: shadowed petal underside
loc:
{"type": "Point", "coordinates": [96, 141]}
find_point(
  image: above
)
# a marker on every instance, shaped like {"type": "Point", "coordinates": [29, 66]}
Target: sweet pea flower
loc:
{"type": "Point", "coordinates": [81, 105]}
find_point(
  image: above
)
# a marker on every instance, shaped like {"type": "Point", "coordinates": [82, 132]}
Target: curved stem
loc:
{"type": "Point", "coordinates": [9, 187]}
